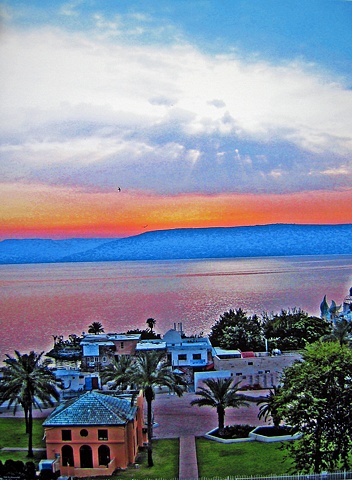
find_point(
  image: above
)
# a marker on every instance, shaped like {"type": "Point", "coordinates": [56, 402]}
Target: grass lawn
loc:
{"type": "Point", "coordinates": [252, 458]}
{"type": "Point", "coordinates": [165, 452]}
{"type": "Point", "coordinates": [165, 457]}
{"type": "Point", "coordinates": [12, 434]}
{"type": "Point", "coordinates": [214, 459]}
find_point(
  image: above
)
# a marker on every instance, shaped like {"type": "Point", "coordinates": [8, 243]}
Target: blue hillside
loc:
{"type": "Point", "coordinates": [188, 243]}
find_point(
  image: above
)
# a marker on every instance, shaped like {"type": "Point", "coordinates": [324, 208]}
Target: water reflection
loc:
{"type": "Point", "coordinates": [38, 301]}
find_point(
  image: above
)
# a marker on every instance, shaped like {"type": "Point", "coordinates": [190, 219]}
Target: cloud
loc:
{"type": "Point", "coordinates": [69, 9]}
{"type": "Point", "coordinates": [5, 14]}
{"type": "Point", "coordinates": [343, 170]}
{"type": "Point", "coordinates": [161, 100]}
{"type": "Point", "coordinates": [85, 110]}
{"type": "Point", "coordinates": [217, 103]}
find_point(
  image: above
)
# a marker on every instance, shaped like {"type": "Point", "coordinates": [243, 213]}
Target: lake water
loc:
{"type": "Point", "coordinates": [38, 301]}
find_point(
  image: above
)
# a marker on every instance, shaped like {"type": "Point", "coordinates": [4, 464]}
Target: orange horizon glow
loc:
{"type": "Point", "coordinates": [51, 212]}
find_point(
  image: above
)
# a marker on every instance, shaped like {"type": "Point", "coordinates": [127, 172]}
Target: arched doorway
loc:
{"type": "Point", "coordinates": [86, 456]}
{"type": "Point", "coordinates": [104, 455]}
{"type": "Point", "coordinates": [67, 456]}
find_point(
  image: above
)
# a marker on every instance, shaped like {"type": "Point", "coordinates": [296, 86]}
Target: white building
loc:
{"type": "Point", "coordinates": [74, 380]}
{"type": "Point", "coordinates": [347, 307]}
{"type": "Point", "coordinates": [150, 345]}
{"type": "Point", "coordinates": [192, 352]}
{"type": "Point", "coordinates": [253, 369]}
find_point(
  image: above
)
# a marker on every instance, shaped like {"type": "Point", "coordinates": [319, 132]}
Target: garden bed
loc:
{"type": "Point", "coordinates": [274, 434]}
{"type": "Point", "coordinates": [247, 433]}
{"type": "Point", "coordinates": [232, 434]}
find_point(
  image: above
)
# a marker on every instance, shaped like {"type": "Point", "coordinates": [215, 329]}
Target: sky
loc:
{"type": "Point", "coordinates": [123, 116]}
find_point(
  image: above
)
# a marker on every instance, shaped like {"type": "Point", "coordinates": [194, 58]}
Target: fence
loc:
{"type": "Point", "coordinates": [321, 476]}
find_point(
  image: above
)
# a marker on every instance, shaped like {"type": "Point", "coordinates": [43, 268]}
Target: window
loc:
{"type": "Point", "coordinates": [238, 374]}
{"type": "Point", "coordinates": [66, 435]}
{"type": "Point", "coordinates": [182, 356]}
{"type": "Point", "coordinates": [250, 363]}
{"type": "Point", "coordinates": [197, 356]}
{"type": "Point", "coordinates": [102, 435]}
{"type": "Point", "coordinates": [267, 371]}
{"type": "Point", "coordinates": [260, 372]}
{"type": "Point", "coordinates": [122, 345]}
{"type": "Point", "coordinates": [84, 432]}
{"type": "Point", "coordinates": [104, 359]}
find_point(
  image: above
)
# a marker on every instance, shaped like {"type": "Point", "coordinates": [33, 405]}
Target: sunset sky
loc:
{"type": "Point", "coordinates": [203, 112]}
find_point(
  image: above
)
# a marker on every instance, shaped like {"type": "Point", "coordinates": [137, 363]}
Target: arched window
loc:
{"type": "Point", "coordinates": [104, 455]}
{"type": "Point", "coordinates": [86, 456]}
{"type": "Point", "coordinates": [67, 456]}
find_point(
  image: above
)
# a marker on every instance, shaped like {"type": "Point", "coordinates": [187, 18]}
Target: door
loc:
{"type": "Point", "coordinates": [67, 456]}
{"type": "Point", "coordinates": [104, 455]}
{"type": "Point", "coordinates": [86, 456]}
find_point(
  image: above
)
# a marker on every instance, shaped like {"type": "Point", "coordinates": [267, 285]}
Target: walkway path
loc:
{"type": "Point", "coordinates": [176, 418]}
{"type": "Point", "coordinates": [188, 465]}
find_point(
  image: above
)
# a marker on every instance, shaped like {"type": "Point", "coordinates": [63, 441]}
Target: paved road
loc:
{"type": "Point", "coordinates": [176, 417]}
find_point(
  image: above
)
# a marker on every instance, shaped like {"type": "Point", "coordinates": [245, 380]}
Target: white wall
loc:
{"type": "Point", "coordinates": [189, 361]}
{"type": "Point", "coordinates": [199, 377]}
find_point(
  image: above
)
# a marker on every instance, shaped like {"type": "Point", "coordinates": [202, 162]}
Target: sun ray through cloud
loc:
{"type": "Point", "coordinates": [100, 96]}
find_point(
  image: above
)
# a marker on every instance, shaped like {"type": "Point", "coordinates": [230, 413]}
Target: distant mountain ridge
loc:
{"type": "Point", "coordinates": [186, 243]}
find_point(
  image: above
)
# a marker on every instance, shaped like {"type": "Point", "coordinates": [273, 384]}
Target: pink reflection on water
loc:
{"type": "Point", "coordinates": [38, 301]}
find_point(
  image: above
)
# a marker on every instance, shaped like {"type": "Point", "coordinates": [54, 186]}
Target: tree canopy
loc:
{"type": "Point", "coordinates": [236, 330]}
{"type": "Point", "coordinates": [316, 399]}
{"type": "Point", "coordinates": [341, 332]}
{"type": "Point", "coordinates": [27, 381]}
{"type": "Point", "coordinates": [145, 371]}
{"type": "Point", "coordinates": [269, 407]}
{"type": "Point", "coordinates": [118, 372]}
{"type": "Point", "coordinates": [151, 323]}
{"type": "Point", "coordinates": [95, 328]}
{"type": "Point", "coordinates": [69, 349]}
{"type": "Point", "coordinates": [219, 393]}
{"type": "Point", "coordinates": [145, 334]}
{"type": "Point", "coordinates": [150, 370]}
{"type": "Point", "coordinates": [293, 329]}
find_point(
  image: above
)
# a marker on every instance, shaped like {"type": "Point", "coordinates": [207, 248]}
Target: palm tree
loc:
{"type": "Point", "coordinates": [151, 323]}
{"type": "Point", "coordinates": [269, 406]}
{"type": "Point", "coordinates": [95, 328]}
{"type": "Point", "coordinates": [149, 370]}
{"type": "Point", "coordinates": [219, 394]}
{"type": "Point", "coordinates": [118, 372]}
{"type": "Point", "coordinates": [27, 381]}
